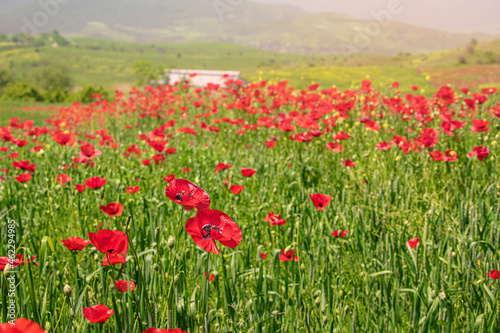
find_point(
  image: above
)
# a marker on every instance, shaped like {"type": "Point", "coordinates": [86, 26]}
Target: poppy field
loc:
{"type": "Point", "coordinates": [253, 208]}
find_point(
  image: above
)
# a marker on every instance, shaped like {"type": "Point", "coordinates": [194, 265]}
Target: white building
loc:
{"type": "Point", "coordinates": [202, 77]}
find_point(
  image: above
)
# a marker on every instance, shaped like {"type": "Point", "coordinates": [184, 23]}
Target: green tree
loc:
{"type": "Point", "coordinates": [52, 78]}
{"type": "Point", "coordinates": [147, 72]}
{"type": "Point", "coordinates": [22, 91]}
{"type": "Point", "coordinates": [6, 77]}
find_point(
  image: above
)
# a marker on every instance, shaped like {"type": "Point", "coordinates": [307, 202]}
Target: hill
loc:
{"type": "Point", "coordinates": [281, 28]}
{"type": "Point", "coordinates": [110, 63]}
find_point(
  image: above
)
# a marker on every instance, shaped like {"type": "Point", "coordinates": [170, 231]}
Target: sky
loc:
{"type": "Point", "coordinates": [464, 16]}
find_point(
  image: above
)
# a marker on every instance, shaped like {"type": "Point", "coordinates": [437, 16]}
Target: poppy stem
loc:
{"type": "Point", "coordinates": [207, 297]}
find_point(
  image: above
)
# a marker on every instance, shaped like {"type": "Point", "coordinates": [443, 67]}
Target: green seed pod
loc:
{"type": "Point", "coordinates": [47, 326]}
{"type": "Point", "coordinates": [6, 271]}
{"type": "Point", "coordinates": [67, 290]}
{"type": "Point", "coordinates": [171, 242]}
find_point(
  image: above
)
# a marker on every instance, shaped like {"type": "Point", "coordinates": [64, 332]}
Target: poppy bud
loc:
{"type": "Point", "coordinates": [453, 255]}
{"type": "Point", "coordinates": [157, 232]}
{"type": "Point", "coordinates": [71, 313]}
{"type": "Point", "coordinates": [6, 271]}
{"type": "Point", "coordinates": [96, 257]}
{"type": "Point", "coordinates": [341, 293]}
{"type": "Point", "coordinates": [171, 242]}
{"type": "Point", "coordinates": [176, 279]}
{"type": "Point", "coordinates": [288, 248]}
{"type": "Point", "coordinates": [47, 326]}
{"type": "Point", "coordinates": [67, 290]}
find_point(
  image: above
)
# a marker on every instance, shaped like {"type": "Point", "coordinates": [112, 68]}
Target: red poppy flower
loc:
{"type": "Point", "coordinates": [63, 179]}
{"type": "Point", "coordinates": [24, 177]}
{"type": "Point", "coordinates": [429, 137]}
{"type": "Point", "coordinates": [98, 314]}
{"type": "Point", "coordinates": [64, 139]}
{"type": "Point", "coordinates": [171, 151]}
{"type": "Point", "coordinates": [187, 170]}
{"type": "Point", "coordinates": [186, 193]}
{"type": "Point", "coordinates": [479, 125]}
{"type": "Point", "coordinates": [211, 278]}
{"type": "Point", "coordinates": [161, 330]}
{"type": "Point", "coordinates": [21, 325]}
{"type": "Point", "coordinates": [274, 219]}
{"type": "Point", "coordinates": [113, 243]}
{"type": "Point", "coordinates": [80, 188]}
{"type": "Point", "coordinates": [75, 244]}
{"type": "Point", "coordinates": [413, 242]}
{"type": "Point", "coordinates": [494, 274]}
{"type": "Point", "coordinates": [349, 163]}
{"type": "Point", "coordinates": [335, 146]}
{"type": "Point", "coordinates": [481, 153]}
{"type": "Point", "coordinates": [263, 255]}
{"type": "Point", "coordinates": [236, 189]}
{"type": "Point", "coordinates": [13, 156]}
{"type": "Point", "coordinates": [289, 256]}
{"type": "Point", "coordinates": [222, 166]}
{"type": "Point", "coordinates": [342, 234]}
{"type": "Point", "coordinates": [95, 182]}
{"type": "Point", "coordinates": [321, 201]}
{"type": "Point", "coordinates": [146, 162]}
{"type": "Point", "coordinates": [4, 149]}
{"type": "Point", "coordinates": [437, 156]}
{"type": "Point", "coordinates": [414, 88]}
{"type": "Point", "coordinates": [341, 136]}
{"type": "Point", "coordinates": [210, 225]}
{"type": "Point", "coordinates": [112, 209]}
{"type": "Point", "coordinates": [270, 144]}
{"type": "Point", "coordinates": [88, 152]}
{"type": "Point", "coordinates": [248, 172]}
{"type": "Point", "coordinates": [157, 145]}
{"type": "Point", "coordinates": [169, 178]}
{"type": "Point", "coordinates": [24, 165]}
{"type": "Point", "coordinates": [122, 286]}
{"type": "Point", "coordinates": [451, 155]}
{"type": "Point", "coordinates": [489, 91]}
{"type": "Point", "coordinates": [383, 146]}
{"type": "Point", "coordinates": [133, 189]}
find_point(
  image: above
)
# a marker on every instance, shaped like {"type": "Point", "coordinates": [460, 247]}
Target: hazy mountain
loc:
{"type": "Point", "coordinates": [462, 16]}
{"type": "Point", "coordinates": [279, 27]}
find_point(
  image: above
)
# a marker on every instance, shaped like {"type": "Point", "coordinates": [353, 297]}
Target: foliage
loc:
{"type": "Point", "coordinates": [371, 279]}
{"type": "Point", "coordinates": [22, 91]}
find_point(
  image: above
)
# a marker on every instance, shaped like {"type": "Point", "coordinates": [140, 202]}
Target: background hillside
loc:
{"type": "Point", "coordinates": [276, 27]}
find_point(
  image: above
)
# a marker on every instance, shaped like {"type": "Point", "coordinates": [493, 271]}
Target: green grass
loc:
{"type": "Point", "coordinates": [110, 64]}
{"type": "Point", "coordinates": [369, 281]}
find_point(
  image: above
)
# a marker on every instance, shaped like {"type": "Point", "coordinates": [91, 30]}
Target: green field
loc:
{"type": "Point", "coordinates": [360, 267]}
{"type": "Point", "coordinates": [110, 64]}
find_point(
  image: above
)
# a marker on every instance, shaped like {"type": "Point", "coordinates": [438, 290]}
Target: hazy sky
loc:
{"type": "Point", "coordinates": [450, 15]}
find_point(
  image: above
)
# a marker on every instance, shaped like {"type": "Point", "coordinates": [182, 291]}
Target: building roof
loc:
{"type": "Point", "coordinates": [202, 77]}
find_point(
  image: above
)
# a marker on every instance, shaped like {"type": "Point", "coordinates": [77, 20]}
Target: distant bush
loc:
{"type": "Point", "coordinates": [22, 91]}
{"type": "Point", "coordinates": [462, 60]}
{"type": "Point", "coordinates": [6, 77]}
{"type": "Point", "coordinates": [52, 78]}
{"type": "Point", "coordinates": [87, 94]}
{"type": "Point", "coordinates": [57, 96]}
